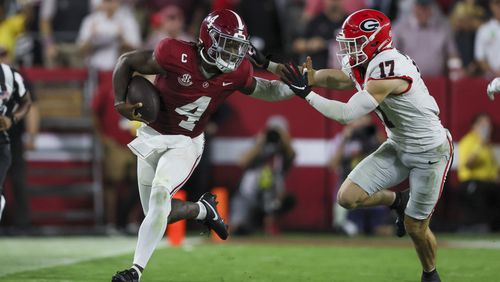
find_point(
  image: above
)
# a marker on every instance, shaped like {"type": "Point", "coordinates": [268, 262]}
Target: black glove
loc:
{"type": "Point", "coordinates": [258, 58]}
{"type": "Point", "coordinates": [297, 82]}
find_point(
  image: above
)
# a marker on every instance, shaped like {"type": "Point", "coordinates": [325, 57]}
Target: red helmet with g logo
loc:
{"type": "Point", "coordinates": [364, 34]}
{"type": "Point", "coordinates": [224, 37]}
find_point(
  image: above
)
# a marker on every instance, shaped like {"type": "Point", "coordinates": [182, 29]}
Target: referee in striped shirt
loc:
{"type": "Point", "coordinates": [14, 104]}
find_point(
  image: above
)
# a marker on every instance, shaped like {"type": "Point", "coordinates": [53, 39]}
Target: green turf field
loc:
{"type": "Point", "coordinates": [290, 258]}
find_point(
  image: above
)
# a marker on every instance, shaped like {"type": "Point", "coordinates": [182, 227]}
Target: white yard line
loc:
{"type": "Point", "coordinates": [24, 254]}
{"type": "Point", "coordinates": [473, 244]}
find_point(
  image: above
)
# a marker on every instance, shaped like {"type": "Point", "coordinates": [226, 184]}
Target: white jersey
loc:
{"type": "Point", "coordinates": [411, 119]}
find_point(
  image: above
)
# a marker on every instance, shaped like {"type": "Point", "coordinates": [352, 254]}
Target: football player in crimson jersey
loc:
{"type": "Point", "coordinates": [418, 146]}
{"type": "Point", "coordinates": [193, 79]}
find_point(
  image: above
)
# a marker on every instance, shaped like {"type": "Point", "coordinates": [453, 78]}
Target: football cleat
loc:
{"type": "Point", "coordinates": [400, 210]}
{"type": "Point", "coordinates": [127, 275]}
{"type": "Point", "coordinates": [213, 220]}
{"type": "Point", "coordinates": [430, 277]}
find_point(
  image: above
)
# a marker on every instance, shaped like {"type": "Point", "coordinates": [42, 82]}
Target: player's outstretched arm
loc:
{"type": "Point", "coordinates": [135, 61]}
{"type": "Point", "coordinates": [327, 78]}
{"type": "Point", "coordinates": [360, 104]}
{"type": "Point", "coordinates": [268, 90]}
{"type": "Point", "coordinates": [493, 88]}
{"type": "Point", "coordinates": [262, 61]}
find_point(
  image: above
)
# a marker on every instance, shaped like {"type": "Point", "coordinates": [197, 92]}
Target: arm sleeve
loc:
{"type": "Point", "coordinates": [359, 105]}
{"type": "Point", "coordinates": [271, 90]}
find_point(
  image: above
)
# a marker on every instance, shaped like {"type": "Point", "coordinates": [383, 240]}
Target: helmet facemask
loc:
{"type": "Point", "coordinates": [227, 52]}
{"type": "Point", "coordinates": [352, 49]}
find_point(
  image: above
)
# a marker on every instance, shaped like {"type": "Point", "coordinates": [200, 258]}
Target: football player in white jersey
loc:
{"type": "Point", "coordinates": [493, 88]}
{"type": "Point", "coordinates": [418, 146]}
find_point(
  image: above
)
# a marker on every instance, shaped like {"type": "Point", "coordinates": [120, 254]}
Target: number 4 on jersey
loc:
{"type": "Point", "coordinates": [193, 112]}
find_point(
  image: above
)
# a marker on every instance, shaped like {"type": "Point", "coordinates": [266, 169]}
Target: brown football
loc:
{"type": "Point", "coordinates": [140, 90]}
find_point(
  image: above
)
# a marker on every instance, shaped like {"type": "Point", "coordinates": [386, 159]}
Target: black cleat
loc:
{"type": "Point", "coordinates": [127, 275]}
{"type": "Point", "coordinates": [213, 220]}
{"type": "Point", "coordinates": [432, 276]}
{"type": "Point", "coordinates": [399, 207]}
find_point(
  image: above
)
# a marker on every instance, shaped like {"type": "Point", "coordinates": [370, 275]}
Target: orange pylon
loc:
{"type": "Point", "coordinates": [176, 232]}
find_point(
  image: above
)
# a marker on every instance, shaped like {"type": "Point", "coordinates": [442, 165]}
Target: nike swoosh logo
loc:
{"type": "Point", "coordinates": [300, 88]}
{"type": "Point", "coordinates": [215, 212]}
{"type": "Point", "coordinates": [431, 163]}
{"type": "Point", "coordinates": [226, 83]}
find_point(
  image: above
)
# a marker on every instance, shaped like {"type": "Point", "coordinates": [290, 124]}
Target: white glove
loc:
{"type": "Point", "coordinates": [493, 88]}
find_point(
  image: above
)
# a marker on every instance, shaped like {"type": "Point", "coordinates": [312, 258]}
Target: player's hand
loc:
{"type": "Point", "coordinates": [5, 123]}
{"type": "Point", "coordinates": [130, 111]}
{"type": "Point", "coordinates": [262, 61]}
{"type": "Point", "coordinates": [297, 81]}
{"type": "Point", "coordinates": [493, 88]}
{"type": "Point", "coordinates": [257, 57]}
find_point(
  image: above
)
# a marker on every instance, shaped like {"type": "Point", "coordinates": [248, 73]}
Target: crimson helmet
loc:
{"type": "Point", "coordinates": [364, 34]}
{"type": "Point", "coordinates": [224, 37]}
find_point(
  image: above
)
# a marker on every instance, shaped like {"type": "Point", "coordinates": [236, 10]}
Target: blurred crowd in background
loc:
{"type": "Point", "coordinates": [445, 37]}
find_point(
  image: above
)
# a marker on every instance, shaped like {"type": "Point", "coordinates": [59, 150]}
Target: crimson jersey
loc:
{"type": "Point", "coordinates": [187, 97]}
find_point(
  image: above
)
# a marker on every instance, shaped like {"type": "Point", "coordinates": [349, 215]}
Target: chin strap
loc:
{"type": "Point", "coordinates": [205, 59]}
{"type": "Point", "coordinates": [211, 63]}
